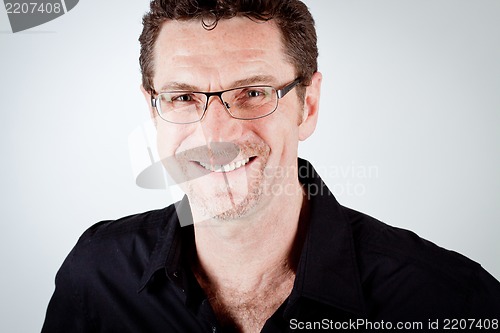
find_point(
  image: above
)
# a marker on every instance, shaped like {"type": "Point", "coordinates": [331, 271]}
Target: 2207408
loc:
{"type": "Point", "coordinates": [32, 8]}
{"type": "Point", "coordinates": [470, 324]}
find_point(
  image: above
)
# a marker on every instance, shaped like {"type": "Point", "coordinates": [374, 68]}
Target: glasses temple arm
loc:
{"type": "Point", "coordinates": [153, 100]}
{"type": "Point", "coordinates": [282, 92]}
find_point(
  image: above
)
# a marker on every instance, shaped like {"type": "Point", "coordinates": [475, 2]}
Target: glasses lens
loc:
{"type": "Point", "coordinates": [251, 102]}
{"type": "Point", "coordinates": [181, 107]}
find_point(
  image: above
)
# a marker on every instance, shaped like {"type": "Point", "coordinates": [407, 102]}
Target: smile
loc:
{"type": "Point", "coordinates": [226, 167]}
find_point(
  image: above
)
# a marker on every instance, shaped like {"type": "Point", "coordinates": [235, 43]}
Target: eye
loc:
{"type": "Point", "coordinates": [182, 98]}
{"type": "Point", "coordinates": [252, 93]}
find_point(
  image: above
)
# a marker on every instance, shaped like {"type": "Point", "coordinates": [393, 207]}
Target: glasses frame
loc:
{"type": "Point", "coordinates": [280, 93]}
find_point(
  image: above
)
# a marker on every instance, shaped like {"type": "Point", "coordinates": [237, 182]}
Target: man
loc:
{"type": "Point", "coordinates": [259, 244]}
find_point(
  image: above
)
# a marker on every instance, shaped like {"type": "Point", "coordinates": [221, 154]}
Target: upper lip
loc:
{"type": "Point", "coordinates": [214, 153]}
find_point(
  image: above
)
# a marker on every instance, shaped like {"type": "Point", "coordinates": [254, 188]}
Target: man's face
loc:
{"type": "Point", "coordinates": [260, 156]}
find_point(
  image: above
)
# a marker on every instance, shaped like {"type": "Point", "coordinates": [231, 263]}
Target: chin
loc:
{"type": "Point", "coordinates": [225, 206]}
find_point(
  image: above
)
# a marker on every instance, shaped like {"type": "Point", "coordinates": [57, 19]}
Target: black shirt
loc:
{"type": "Point", "coordinates": [133, 275]}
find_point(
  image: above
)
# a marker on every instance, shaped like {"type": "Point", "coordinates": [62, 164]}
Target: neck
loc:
{"type": "Point", "coordinates": [246, 254]}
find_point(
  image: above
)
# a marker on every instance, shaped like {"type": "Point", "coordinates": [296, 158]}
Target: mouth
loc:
{"type": "Point", "coordinates": [226, 167]}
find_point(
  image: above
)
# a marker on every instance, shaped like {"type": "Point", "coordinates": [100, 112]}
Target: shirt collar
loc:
{"type": "Point", "coordinates": [327, 270]}
{"type": "Point", "coordinates": [173, 240]}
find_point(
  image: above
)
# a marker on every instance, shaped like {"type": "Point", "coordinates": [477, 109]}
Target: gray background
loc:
{"type": "Point", "coordinates": [409, 122]}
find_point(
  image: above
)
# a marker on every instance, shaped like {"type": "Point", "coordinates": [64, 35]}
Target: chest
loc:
{"type": "Point", "coordinates": [248, 312]}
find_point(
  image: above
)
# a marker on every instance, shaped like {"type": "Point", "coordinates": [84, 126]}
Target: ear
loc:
{"type": "Point", "coordinates": [311, 107]}
{"type": "Point", "coordinates": [152, 111]}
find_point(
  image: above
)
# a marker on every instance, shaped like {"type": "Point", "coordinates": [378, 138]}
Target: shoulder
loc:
{"type": "Point", "coordinates": [101, 275]}
{"type": "Point", "coordinates": [116, 246]}
{"type": "Point", "coordinates": [372, 236]}
{"type": "Point", "coordinates": [397, 265]}
{"type": "Point", "coordinates": [127, 226]}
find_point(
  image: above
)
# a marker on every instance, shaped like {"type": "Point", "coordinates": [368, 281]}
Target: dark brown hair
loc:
{"type": "Point", "coordinates": [291, 16]}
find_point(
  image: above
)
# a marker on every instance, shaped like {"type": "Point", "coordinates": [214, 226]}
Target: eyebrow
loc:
{"type": "Point", "coordinates": [171, 86]}
{"type": "Point", "coordinates": [256, 79]}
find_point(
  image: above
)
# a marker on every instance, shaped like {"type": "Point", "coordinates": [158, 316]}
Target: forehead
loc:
{"type": "Point", "coordinates": [237, 48]}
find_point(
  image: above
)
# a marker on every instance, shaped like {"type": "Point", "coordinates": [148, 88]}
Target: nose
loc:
{"type": "Point", "coordinates": [217, 124]}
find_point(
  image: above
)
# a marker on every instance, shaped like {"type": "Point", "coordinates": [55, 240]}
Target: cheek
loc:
{"type": "Point", "coordinates": [281, 134]}
{"type": "Point", "coordinates": [168, 139]}
{"type": "Point", "coordinates": [287, 121]}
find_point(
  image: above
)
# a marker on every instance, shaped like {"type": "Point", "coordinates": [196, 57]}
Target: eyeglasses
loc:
{"type": "Point", "coordinates": [246, 103]}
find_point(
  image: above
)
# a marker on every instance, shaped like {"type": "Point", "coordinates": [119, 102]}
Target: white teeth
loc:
{"type": "Point", "coordinates": [226, 167]}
